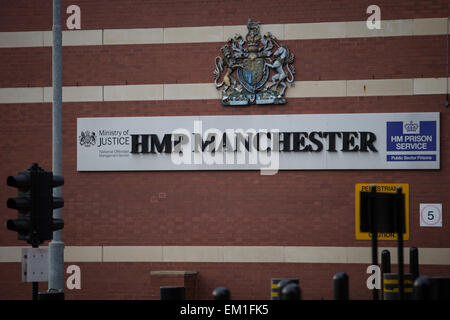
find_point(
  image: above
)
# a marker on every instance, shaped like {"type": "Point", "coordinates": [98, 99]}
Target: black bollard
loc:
{"type": "Point", "coordinates": [277, 285]}
{"type": "Point", "coordinates": [414, 262]}
{"type": "Point", "coordinates": [290, 291]}
{"type": "Point", "coordinates": [172, 293]}
{"type": "Point", "coordinates": [340, 284]}
{"type": "Point", "coordinates": [221, 293]}
{"type": "Point", "coordinates": [440, 288]}
{"type": "Point", "coordinates": [283, 282]}
{"type": "Point", "coordinates": [422, 288]}
{"type": "Point", "coordinates": [385, 261]}
{"type": "Point", "coordinates": [385, 265]}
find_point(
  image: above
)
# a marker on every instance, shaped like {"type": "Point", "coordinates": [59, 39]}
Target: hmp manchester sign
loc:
{"type": "Point", "coordinates": [260, 142]}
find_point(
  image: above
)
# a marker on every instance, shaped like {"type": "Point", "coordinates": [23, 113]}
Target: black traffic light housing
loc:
{"type": "Point", "coordinates": [22, 225]}
{"type": "Point", "coordinates": [35, 203]}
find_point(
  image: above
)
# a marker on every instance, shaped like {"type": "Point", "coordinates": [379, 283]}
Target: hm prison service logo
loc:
{"type": "Point", "coordinates": [244, 69]}
{"type": "Point", "coordinates": [411, 128]}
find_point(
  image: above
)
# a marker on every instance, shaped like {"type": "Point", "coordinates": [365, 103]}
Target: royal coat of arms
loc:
{"type": "Point", "coordinates": [87, 138]}
{"type": "Point", "coordinates": [253, 60]}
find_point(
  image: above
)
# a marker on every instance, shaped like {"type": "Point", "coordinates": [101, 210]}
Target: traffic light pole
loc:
{"type": "Point", "coordinates": [56, 246]}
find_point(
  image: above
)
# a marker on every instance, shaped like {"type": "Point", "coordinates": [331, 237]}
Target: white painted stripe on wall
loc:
{"type": "Point", "coordinates": [193, 254]}
{"type": "Point", "coordinates": [76, 94]}
{"type": "Point", "coordinates": [193, 34]}
{"type": "Point", "coordinates": [380, 87]}
{"type": "Point", "coordinates": [317, 89]}
{"type": "Point", "coordinates": [21, 39]}
{"type": "Point", "coordinates": [204, 91]}
{"type": "Point", "coordinates": [128, 253]}
{"type": "Point", "coordinates": [144, 92]}
{"type": "Point", "coordinates": [133, 36]}
{"type": "Point", "coordinates": [291, 31]}
{"type": "Point", "coordinates": [22, 95]}
{"type": "Point", "coordinates": [432, 26]}
{"type": "Point", "coordinates": [389, 28]}
{"type": "Point", "coordinates": [84, 254]}
{"type": "Point", "coordinates": [11, 254]}
{"type": "Point", "coordinates": [237, 254]}
{"type": "Point", "coordinates": [76, 38]}
{"type": "Point", "coordinates": [190, 91]}
{"type": "Point", "coordinates": [319, 30]}
{"type": "Point", "coordinates": [430, 86]}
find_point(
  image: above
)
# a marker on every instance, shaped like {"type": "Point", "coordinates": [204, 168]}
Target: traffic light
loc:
{"type": "Point", "coordinates": [22, 225]}
{"type": "Point", "coordinates": [35, 203]}
{"type": "Point", "coordinates": [44, 203]}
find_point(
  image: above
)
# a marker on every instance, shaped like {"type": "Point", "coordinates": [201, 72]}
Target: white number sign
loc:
{"type": "Point", "coordinates": [431, 215]}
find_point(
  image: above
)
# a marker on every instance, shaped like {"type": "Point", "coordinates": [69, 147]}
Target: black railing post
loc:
{"type": "Point", "coordinates": [374, 231]}
{"type": "Point", "coordinates": [385, 265]}
{"type": "Point", "coordinates": [400, 217]}
{"type": "Point", "coordinates": [414, 262]}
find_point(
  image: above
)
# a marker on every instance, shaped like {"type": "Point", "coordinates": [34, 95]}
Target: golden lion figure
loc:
{"type": "Point", "coordinates": [230, 64]}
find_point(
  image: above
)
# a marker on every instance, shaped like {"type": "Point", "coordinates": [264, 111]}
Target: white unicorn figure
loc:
{"type": "Point", "coordinates": [279, 78]}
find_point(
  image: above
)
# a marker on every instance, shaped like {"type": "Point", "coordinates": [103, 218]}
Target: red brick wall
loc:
{"type": "Point", "coordinates": [244, 280]}
{"type": "Point", "coordinates": [292, 208]}
{"type": "Point", "coordinates": [23, 15]}
{"type": "Point", "coordinates": [218, 207]}
{"type": "Point", "coordinates": [330, 59]}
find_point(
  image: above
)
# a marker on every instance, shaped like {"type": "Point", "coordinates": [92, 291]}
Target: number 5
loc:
{"type": "Point", "coordinates": [430, 215]}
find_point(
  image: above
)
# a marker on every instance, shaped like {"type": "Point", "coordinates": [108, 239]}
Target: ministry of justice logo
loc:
{"type": "Point", "coordinates": [254, 59]}
{"type": "Point", "coordinates": [87, 138]}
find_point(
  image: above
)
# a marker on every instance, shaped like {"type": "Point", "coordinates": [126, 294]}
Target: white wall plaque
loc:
{"type": "Point", "coordinates": [296, 141]}
{"type": "Point", "coordinates": [431, 214]}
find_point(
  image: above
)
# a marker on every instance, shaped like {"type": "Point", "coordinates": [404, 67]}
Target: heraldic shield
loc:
{"type": "Point", "coordinates": [254, 62]}
{"type": "Point", "coordinates": [253, 75]}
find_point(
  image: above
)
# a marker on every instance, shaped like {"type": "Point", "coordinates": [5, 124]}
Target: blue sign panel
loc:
{"type": "Point", "coordinates": [416, 138]}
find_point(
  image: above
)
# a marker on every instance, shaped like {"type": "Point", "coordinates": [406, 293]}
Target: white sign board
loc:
{"type": "Point", "coordinates": [431, 214]}
{"type": "Point", "coordinates": [34, 264]}
{"type": "Point", "coordinates": [254, 142]}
